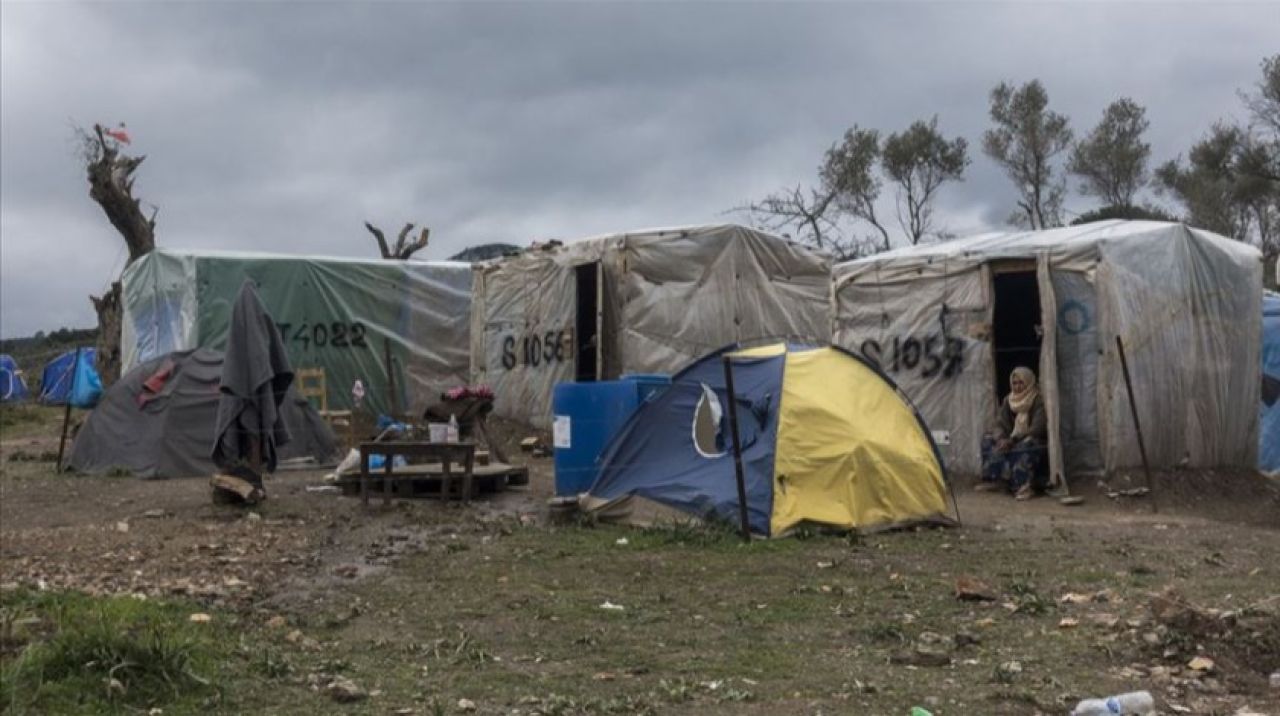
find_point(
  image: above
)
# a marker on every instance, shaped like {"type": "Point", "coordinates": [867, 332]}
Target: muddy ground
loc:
{"type": "Point", "coordinates": [492, 607]}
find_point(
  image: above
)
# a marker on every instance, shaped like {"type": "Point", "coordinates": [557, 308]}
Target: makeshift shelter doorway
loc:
{"type": "Point", "coordinates": [1023, 334]}
{"type": "Point", "coordinates": [1015, 321]}
{"type": "Point", "coordinates": [586, 334]}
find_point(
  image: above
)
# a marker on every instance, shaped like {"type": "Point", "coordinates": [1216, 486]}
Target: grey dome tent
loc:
{"type": "Point", "coordinates": [159, 420]}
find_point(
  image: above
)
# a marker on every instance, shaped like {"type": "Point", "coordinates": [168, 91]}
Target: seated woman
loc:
{"type": "Point", "coordinates": [1014, 456]}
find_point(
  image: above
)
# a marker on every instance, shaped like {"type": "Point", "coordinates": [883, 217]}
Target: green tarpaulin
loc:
{"type": "Point", "coordinates": [346, 316]}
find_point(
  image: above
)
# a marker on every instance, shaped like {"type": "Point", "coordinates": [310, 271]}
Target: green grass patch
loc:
{"type": "Point", "coordinates": [66, 652]}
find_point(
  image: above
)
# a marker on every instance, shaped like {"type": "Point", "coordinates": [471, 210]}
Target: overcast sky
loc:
{"type": "Point", "coordinates": [283, 127]}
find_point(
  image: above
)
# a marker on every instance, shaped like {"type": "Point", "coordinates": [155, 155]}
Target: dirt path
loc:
{"type": "Point", "coordinates": [517, 600]}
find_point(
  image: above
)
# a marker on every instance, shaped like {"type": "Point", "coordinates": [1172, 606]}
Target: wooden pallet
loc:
{"type": "Point", "coordinates": [423, 481]}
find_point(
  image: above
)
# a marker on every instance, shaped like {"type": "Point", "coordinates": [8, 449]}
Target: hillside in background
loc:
{"type": "Point", "coordinates": [484, 252]}
{"type": "Point", "coordinates": [32, 352]}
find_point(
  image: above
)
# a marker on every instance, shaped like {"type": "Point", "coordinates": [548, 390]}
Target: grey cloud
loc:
{"type": "Point", "coordinates": [283, 126]}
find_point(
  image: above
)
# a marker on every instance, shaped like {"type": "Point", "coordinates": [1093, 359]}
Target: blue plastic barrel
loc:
{"type": "Point", "coordinates": [585, 417]}
{"type": "Point", "coordinates": [648, 384]}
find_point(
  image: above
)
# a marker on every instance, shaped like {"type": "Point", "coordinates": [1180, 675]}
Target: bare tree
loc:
{"type": "Point", "coordinates": [1026, 138]}
{"type": "Point", "coordinates": [1261, 156]}
{"type": "Point", "coordinates": [404, 248]}
{"type": "Point", "coordinates": [1111, 160]}
{"type": "Point", "coordinates": [807, 212]}
{"type": "Point", "coordinates": [848, 174]}
{"type": "Point", "coordinates": [1264, 105]}
{"type": "Point", "coordinates": [110, 174]}
{"type": "Point", "coordinates": [809, 217]}
{"type": "Point", "coordinates": [920, 160]}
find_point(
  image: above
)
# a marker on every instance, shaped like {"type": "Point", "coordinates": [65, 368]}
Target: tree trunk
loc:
{"type": "Point", "coordinates": [109, 357]}
{"type": "Point", "coordinates": [110, 177]}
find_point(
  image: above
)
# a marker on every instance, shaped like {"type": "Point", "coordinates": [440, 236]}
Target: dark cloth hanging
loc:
{"type": "Point", "coordinates": [255, 379]}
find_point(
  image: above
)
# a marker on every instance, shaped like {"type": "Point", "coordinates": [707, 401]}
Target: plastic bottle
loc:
{"type": "Point", "coordinates": [453, 429]}
{"type": "Point", "coordinates": [1134, 703]}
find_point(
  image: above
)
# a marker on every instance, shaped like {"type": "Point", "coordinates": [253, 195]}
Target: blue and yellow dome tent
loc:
{"type": "Point", "coordinates": [826, 439]}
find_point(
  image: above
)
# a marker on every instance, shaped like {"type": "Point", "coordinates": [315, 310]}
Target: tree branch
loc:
{"type": "Point", "coordinates": [418, 245]}
{"type": "Point", "coordinates": [382, 240]}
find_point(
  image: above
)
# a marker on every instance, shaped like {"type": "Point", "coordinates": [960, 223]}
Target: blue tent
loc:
{"type": "Point", "coordinates": [1269, 423]}
{"type": "Point", "coordinates": [63, 380]}
{"type": "Point", "coordinates": [12, 389]}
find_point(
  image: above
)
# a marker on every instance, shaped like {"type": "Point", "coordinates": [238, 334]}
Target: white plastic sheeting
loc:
{"type": "Point", "coordinates": [351, 317]}
{"type": "Point", "coordinates": [667, 297]}
{"type": "Point", "coordinates": [1181, 299]}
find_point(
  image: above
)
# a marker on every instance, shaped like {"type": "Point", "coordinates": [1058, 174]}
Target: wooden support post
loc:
{"type": "Point", "coordinates": [388, 458]}
{"type": "Point", "coordinates": [66, 414]}
{"type": "Point", "coordinates": [1137, 427]}
{"type": "Point", "coordinates": [393, 398]}
{"type": "Point", "coordinates": [737, 450]}
{"type": "Point", "coordinates": [364, 474]}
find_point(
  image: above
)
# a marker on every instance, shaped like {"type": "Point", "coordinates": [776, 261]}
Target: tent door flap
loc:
{"type": "Point", "coordinates": [1049, 369]}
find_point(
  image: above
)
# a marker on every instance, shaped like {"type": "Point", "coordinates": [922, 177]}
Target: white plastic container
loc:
{"type": "Point", "coordinates": [438, 432]}
{"type": "Point", "coordinates": [1134, 703]}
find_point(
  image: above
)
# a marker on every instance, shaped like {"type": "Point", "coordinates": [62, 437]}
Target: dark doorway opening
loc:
{"type": "Point", "coordinates": [586, 333]}
{"type": "Point", "coordinates": [1015, 329]}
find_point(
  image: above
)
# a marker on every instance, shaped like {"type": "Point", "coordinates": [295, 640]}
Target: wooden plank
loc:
{"type": "Point", "coordinates": [237, 486]}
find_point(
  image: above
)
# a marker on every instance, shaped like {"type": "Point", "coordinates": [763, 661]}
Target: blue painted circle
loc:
{"type": "Point", "coordinates": [1073, 317]}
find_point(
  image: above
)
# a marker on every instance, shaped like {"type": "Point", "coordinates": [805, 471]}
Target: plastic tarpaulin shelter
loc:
{"type": "Point", "coordinates": [825, 439]}
{"type": "Point", "coordinates": [642, 302]}
{"type": "Point", "coordinates": [160, 420]}
{"type": "Point", "coordinates": [12, 388]}
{"type": "Point", "coordinates": [350, 317]}
{"type": "Point", "coordinates": [66, 379]}
{"type": "Point", "coordinates": [1269, 411]}
{"type": "Point", "coordinates": [929, 316]}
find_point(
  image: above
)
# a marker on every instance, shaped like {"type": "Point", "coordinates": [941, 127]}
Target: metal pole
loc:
{"type": "Point", "coordinates": [66, 414]}
{"type": "Point", "coordinates": [737, 449]}
{"type": "Point", "coordinates": [1137, 427]}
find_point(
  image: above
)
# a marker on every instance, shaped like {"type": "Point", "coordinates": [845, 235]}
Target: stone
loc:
{"type": "Point", "coordinates": [964, 638]}
{"type": "Point", "coordinates": [1009, 669]}
{"type": "Point", "coordinates": [921, 656]}
{"type": "Point", "coordinates": [971, 589]}
{"type": "Point", "coordinates": [344, 690]}
{"type": "Point", "coordinates": [1201, 663]}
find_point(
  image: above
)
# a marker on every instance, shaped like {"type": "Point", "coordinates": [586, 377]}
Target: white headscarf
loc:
{"type": "Point", "coordinates": [1020, 402]}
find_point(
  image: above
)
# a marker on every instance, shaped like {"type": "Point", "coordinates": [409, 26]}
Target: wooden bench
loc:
{"type": "Point", "coordinates": [447, 455]}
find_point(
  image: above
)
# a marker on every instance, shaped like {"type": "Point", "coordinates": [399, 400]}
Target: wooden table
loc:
{"type": "Point", "coordinates": [447, 454]}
